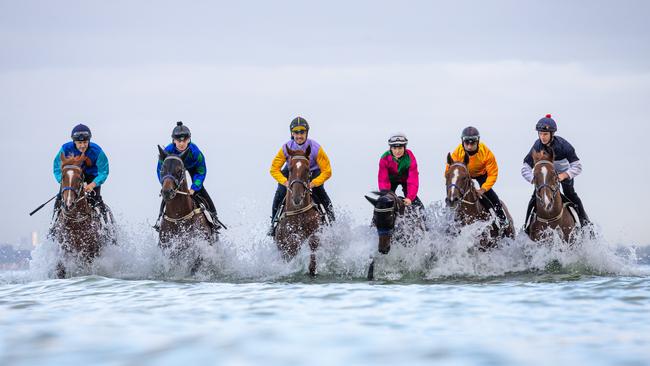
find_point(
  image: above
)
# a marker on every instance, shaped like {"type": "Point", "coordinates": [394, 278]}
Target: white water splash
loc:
{"type": "Point", "coordinates": [245, 253]}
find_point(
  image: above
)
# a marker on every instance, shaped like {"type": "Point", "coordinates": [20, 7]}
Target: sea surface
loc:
{"type": "Point", "coordinates": [435, 300]}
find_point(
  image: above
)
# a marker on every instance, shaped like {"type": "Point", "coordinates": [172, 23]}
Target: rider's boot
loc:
{"type": "Point", "coordinates": [274, 221]}
{"type": "Point", "coordinates": [160, 215]}
{"type": "Point", "coordinates": [529, 211]}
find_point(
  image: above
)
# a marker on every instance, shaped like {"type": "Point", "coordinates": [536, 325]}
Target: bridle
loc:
{"type": "Point", "coordinates": [463, 192]}
{"type": "Point", "coordinates": [79, 192]}
{"type": "Point", "coordinates": [300, 181]}
{"type": "Point", "coordinates": [177, 182]}
{"type": "Point", "coordinates": [554, 187]}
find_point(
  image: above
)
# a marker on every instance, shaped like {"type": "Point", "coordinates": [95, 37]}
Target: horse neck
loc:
{"type": "Point", "coordinates": [181, 204]}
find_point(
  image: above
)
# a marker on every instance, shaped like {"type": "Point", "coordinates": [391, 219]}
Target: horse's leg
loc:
{"type": "Point", "coordinates": [60, 270]}
{"type": "Point", "coordinates": [313, 245]}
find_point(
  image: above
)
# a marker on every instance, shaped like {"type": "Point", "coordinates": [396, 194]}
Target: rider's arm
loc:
{"type": "Point", "coordinates": [158, 169]}
{"type": "Point", "coordinates": [492, 169]}
{"type": "Point", "coordinates": [325, 168]}
{"type": "Point", "coordinates": [276, 167]}
{"type": "Point", "coordinates": [57, 166]}
{"type": "Point", "coordinates": [102, 169]}
{"type": "Point", "coordinates": [413, 180]}
{"type": "Point", "coordinates": [383, 181]}
{"type": "Point", "coordinates": [575, 166]}
{"type": "Point", "coordinates": [527, 168]}
{"type": "Point", "coordinates": [201, 172]}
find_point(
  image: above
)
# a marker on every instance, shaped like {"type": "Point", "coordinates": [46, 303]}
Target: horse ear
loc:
{"type": "Point", "coordinates": [290, 152]}
{"type": "Point", "coordinates": [450, 161]}
{"type": "Point", "coordinates": [63, 159]}
{"type": "Point", "coordinates": [550, 152]}
{"type": "Point", "coordinates": [466, 159]}
{"type": "Point", "coordinates": [536, 155]}
{"type": "Point", "coordinates": [372, 201]}
{"type": "Point", "coordinates": [162, 154]}
{"type": "Point", "coordinates": [308, 151]}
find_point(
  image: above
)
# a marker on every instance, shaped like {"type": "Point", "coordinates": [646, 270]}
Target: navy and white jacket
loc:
{"type": "Point", "coordinates": [566, 160]}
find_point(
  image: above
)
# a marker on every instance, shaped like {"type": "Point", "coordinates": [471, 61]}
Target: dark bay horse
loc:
{"type": "Point", "coordinates": [78, 228]}
{"type": "Point", "coordinates": [394, 221]}
{"type": "Point", "coordinates": [551, 212]}
{"type": "Point", "coordinates": [301, 220]}
{"type": "Point", "coordinates": [467, 207]}
{"type": "Point", "coordinates": [183, 219]}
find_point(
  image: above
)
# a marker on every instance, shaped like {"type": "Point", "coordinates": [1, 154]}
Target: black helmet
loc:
{"type": "Point", "coordinates": [181, 132]}
{"type": "Point", "coordinates": [299, 124]}
{"type": "Point", "coordinates": [81, 132]}
{"type": "Point", "coordinates": [546, 124]}
{"type": "Point", "coordinates": [470, 134]}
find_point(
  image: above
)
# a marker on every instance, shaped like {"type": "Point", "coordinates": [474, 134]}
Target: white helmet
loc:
{"type": "Point", "coordinates": [398, 139]}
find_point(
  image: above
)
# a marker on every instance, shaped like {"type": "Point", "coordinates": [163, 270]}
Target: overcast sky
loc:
{"type": "Point", "coordinates": [237, 73]}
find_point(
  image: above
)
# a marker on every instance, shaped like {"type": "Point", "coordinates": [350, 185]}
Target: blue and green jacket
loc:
{"type": "Point", "coordinates": [194, 163]}
{"type": "Point", "coordinates": [98, 167]}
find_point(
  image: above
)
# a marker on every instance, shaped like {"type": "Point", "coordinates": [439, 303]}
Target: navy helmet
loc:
{"type": "Point", "coordinates": [299, 124]}
{"type": "Point", "coordinates": [546, 124]}
{"type": "Point", "coordinates": [81, 132]}
{"type": "Point", "coordinates": [181, 132]}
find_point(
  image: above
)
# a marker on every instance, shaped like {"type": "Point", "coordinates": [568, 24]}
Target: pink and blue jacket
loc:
{"type": "Point", "coordinates": [393, 172]}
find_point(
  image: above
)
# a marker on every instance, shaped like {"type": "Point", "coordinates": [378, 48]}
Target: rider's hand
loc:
{"type": "Point", "coordinates": [311, 185]}
{"type": "Point", "coordinates": [480, 192]}
{"type": "Point", "coordinates": [286, 183]}
{"type": "Point", "coordinates": [90, 187]}
{"type": "Point", "coordinates": [407, 201]}
{"type": "Point", "coordinates": [563, 176]}
{"type": "Point", "coordinates": [191, 191]}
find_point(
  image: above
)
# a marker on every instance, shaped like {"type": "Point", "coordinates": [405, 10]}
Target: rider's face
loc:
{"type": "Point", "coordinates": [81, 145]}
{"type": "Point", "coordinates": [470, 146]}
{"type": "Point", "coordinates": [181, 145]}
{"type": "Point", "coordinates": [299, 136]}
{"type": "Point", "coordinates": [397, 151]}
{"type": "Point", "coordinates": [545, 137]}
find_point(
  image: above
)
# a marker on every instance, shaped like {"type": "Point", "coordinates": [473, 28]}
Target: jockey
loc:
{"type": "Point", "coordinates": [95, 174]}
{"type": "Point", "coordinates": [320, 169]}
{"type": "Point", "coordinates": [482, 167]}
{"type": "Point", "coordinates": [567, 164]}
{"type": "Point", "coordinates": [194, 164]}
{"type": "Point", "coordinates": [398, 167]}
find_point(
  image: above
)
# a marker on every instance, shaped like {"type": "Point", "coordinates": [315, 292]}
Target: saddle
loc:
{"type": "Point", "coordinates": [203, 205]}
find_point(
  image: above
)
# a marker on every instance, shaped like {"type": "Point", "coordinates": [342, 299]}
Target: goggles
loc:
{"type": "Point", "coordinates": [471, 139]}
{"type": "Point", "coordinates": [81, 136]}
{"type": "Point", "coordinates": [299, 131]}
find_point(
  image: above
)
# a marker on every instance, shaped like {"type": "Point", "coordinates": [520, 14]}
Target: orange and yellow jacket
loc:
{"type": "Point", "coordinates": [481, 163]}
{"type": "Point", "coordinates": [319, 163]}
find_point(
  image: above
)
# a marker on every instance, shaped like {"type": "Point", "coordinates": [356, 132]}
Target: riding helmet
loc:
{"type": "Point", "coordinates": [299, 124]}
{"type": "Point", "coordinates": [181, 132]}
{"type": "Point", "coordinates": [81, 132]}
{"type": "Point", "coordinates": [398, 139]}
{"type": "Point", "coordinates": [470, 134]}
{"type": "Point", "coordinates": [546, 124]}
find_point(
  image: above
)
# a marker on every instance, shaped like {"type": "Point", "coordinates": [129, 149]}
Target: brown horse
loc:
{"type": "Point", "coordinates": [465, 202]}
{"type": "Point", "coordinates": [551, 212]}
{"type": "Point", "coordinates": [78, 227]}
{"type": "Point", "coordinates": [301, 220]}
{"type": "Point", "coordinates": [183, 218]}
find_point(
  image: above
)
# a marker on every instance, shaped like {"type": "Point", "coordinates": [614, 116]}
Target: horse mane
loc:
{"type": "Point", "coordinates": [545, 153]}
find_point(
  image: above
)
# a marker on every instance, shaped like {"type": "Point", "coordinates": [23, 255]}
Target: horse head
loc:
{"type": "Point", "coordinates": [299, 176]}
{"type": "Point", "coordinates": [459, 182]}
{"type": "Point", "coordinates": [172, 173]}
{"type": "Point", "coordinates": [545, 178]}
{"type": "Point", "coordinates": [72, 179]}
{"type": "Point", "coordinates": [387, 207]}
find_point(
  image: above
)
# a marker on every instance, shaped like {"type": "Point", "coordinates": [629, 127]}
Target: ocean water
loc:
{"type": "Point", "coordinates": [435, 299]}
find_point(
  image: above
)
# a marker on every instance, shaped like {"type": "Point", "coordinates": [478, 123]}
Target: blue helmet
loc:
{"type": "Point", "coordinates": [546, 124]}
{"type": "Point", "coordinates": [81, 132]}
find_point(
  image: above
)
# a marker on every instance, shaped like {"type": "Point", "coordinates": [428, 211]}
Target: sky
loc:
{"type": "Point", "coordinates": [237, 73]}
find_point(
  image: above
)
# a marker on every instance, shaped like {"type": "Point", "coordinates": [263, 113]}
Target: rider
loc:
{"type": "Point", "coordinates": [194, 163]}
{"type": "Point", "coordinates": [567, 164]}
{"type": "Point", "coordinates": [95, 168]}
{"type": "Point", "coordinates": [319, 166]}
{"type": "Point", "coordinates": [482, 167]}
{"type": "Point", "coordinates": [398, 167]}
